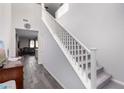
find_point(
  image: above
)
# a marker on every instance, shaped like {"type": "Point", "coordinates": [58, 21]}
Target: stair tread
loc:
{"type": "Point", "coordinates": [102, 77]}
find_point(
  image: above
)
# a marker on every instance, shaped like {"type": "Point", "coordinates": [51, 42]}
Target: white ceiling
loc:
{"type": "Point", "coordinates": [31, 34]}
{"type": "Point", "coordinates": [52, 7]}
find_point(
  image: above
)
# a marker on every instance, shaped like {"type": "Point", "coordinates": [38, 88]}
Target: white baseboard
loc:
{"type": "Point", "coordinates": [61, 84]}
{"type": "Point", "coordinates": [118, 81]}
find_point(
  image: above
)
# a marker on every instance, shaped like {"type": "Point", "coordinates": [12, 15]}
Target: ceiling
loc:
{"type": "Point", "coordinates": [31, 34]}
{"type": "Point", "coordinates": [52, 7]}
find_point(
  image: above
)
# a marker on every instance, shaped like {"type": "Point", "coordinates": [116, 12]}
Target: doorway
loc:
{"type": "Point", "coordinates": [26, 42]}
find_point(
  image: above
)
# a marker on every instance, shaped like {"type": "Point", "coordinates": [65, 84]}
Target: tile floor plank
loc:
{"type": "Point", "coordinates": [36, 76]}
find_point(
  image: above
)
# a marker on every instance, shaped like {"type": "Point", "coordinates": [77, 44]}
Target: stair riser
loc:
{"type": "Point", "coordinates": [98, 71]}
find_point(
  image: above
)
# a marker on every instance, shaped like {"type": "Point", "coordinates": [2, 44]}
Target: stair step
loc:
{"type": "Point", "coordinates": [99, 69]}
{"type": "Point", "coordinates": [103, 79]}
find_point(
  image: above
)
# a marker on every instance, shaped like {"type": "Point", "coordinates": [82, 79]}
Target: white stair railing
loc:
{"type": "Point", "coordinates": [82, 59]}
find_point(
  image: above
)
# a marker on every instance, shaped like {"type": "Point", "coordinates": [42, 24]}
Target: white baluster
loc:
{"type": "Point", "coordinates": [93, 69]}
{"type": "Point", "coordinates": [86, 65]}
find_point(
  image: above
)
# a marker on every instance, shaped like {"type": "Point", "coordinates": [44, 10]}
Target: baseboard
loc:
{"type": "Point", "coordinates": [118, 81]}
{"type": "Point", "coordinates": [54, 77]}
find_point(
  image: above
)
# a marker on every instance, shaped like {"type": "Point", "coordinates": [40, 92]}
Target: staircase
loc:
{"type": "Point", "coordinates": [82, 59]}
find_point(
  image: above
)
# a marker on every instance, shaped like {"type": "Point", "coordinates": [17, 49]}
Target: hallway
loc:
{"type": "Point", "coordinates": [36, 76]}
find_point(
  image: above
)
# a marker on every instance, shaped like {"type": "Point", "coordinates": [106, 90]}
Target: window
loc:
{"type": "Point", "coordinates": [31, 43]}
{"type": "Point", "coordinates": [36, 43]}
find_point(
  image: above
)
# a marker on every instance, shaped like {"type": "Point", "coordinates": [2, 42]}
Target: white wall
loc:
{"type": "Point", "coordinates": [56, 63]}
{"type": "Point", "coordinates": [5, 24]}
{"type": "Point", "coordinates": [31, 12]}
{"type": "Point", "coordinates": [100, 26]}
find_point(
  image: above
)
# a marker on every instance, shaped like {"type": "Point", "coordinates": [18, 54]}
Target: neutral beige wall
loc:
{"type": "Point", "coordinates": [20, 11]}
{"type": "Point", "coordinates": [31, 12]}
{"type": "Point", "coordinates": [5, 24]}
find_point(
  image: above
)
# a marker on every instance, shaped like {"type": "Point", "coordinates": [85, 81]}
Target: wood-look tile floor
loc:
{"type": "Point", "coordinates": [36, 76]}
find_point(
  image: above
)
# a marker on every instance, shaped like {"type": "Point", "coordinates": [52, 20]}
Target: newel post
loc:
{"type": "Point", "coordinates": [93, 69]}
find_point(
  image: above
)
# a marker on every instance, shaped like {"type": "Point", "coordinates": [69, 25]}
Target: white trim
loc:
{"type": "Point", "coordinates": [58, 81]}
{"type": "Point", "coordinates": [118, 81]}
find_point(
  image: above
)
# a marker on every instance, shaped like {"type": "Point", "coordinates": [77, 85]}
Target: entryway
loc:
{"type": "Point", "coordinates": [26, 42]}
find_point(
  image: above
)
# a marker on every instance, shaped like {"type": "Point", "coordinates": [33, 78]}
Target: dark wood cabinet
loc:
{"type": "Point", "coordinates": [12, 71]}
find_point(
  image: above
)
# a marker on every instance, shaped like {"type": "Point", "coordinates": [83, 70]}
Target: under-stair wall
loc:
{"type": "Point", "coordinates": [56, 63]}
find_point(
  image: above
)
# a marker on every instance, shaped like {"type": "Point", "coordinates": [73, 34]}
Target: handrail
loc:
{"type": "Point", "coordinates": [70, 34]}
